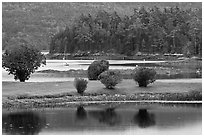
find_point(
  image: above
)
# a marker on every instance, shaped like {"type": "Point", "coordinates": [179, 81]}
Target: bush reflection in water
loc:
{"type": "Point", "coordinates": [23, 123]}
{"type": "Point", "coordinates": [81, 113]}
{"type": "Point", "coordinates": [144, 119]}
{"type": "Point", "coordinates": [103, 118]}
{"type": "Point", "coordinates": [31, 123]}
{"type": "Point", "coordinates": [108, 116]}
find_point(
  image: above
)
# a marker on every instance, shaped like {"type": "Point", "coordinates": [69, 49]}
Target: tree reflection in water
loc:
{"type": "Point", "coordinates": [81, 113]}
{"type": "Point", "coordinates": [108, 116]}
{"type": "Point", "coordinates": [23, 123]}
{"type": "Point", "coordinates": [144, 119]}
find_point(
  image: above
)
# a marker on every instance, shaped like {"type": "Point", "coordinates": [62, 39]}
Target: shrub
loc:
{"type": "Point", "coordinates": [144, 76]}
{"type": "Point", "coordinates": [110, 78]}
{"type": "Point", "coordinates": [21, 60]}
{"type": "Point", "coordinates": [194, 95]}
{"type": "Point", "coordinates": [80, 84]}
{"type": "Point", "coordinates": [96, 68]}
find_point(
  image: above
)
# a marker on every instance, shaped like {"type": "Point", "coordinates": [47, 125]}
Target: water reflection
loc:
{"type": "Point", "coordinates": [108, 116]}
{"type": "Point", "coordinates": [126, 119]}
{"type": "Point", "coordinates": [144, 119]}
{"type": "Point", "coordinates": [23, 123]}
{"type": "Point", "coordinates": [81, 113]}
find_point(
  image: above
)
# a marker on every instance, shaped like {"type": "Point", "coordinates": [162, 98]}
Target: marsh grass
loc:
{"type": "Point", "coordinates": [185, 96]}
{"type": "Point", "coordinates": [67, 99]}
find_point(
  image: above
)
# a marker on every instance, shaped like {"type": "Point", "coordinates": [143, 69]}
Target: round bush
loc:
{"type": "Point", "coordinates": [144, 76]}
{"type": "Point", "coordinates": [80, 84]}
{"type": "Point", "coordinates": [22, 60]}
{"type": "Point", "coordinates": [96, 68]}
{"type": "Point", "coordinates": [110, 78]}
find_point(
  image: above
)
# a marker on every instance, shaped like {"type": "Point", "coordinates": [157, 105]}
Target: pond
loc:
{"type": "Point", "coordinates": [106, 119]}
{"type": "Point", "coordinates": [63, 65]}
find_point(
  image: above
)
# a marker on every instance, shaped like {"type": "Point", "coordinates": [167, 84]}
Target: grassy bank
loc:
{"type": "Point", "coordinates": [64, 99]}
{"type": "Point", "coordinates": [55, 94]}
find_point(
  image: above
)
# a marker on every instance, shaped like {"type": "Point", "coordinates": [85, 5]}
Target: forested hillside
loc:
{"type": "Point", "coordinates": [123, 27]}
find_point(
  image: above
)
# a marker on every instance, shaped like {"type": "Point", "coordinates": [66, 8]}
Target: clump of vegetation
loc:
{"type": "Point", "coordinates": [90, 37]}
{"type": "Point", "coordinates": [144, 76]}
{"type": "Point", "coordinates": [21, 60]}
{"type": "Point", "coordinates": [194, 95]}
{"type": "Point", "coordinates": [80, 84]}
{"type": "Point", "coordinates": [110, 78]}
{"type": "Point", "coordinates": [96, 68]}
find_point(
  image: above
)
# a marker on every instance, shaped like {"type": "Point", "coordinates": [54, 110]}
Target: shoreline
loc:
{"type": "Point", "coordinates": [89, 103]}
{"type": "Point", "coordinates": [104, 103]}
{"type": "Point", "coordinates": [66, 100]}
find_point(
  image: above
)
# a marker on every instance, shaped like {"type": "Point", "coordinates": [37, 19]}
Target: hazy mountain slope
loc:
{"type": "Point", "coordinates": [38, 21]}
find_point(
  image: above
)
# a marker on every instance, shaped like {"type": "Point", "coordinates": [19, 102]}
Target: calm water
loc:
{"type": "Point", "coordinates": [63, 65]}
{"type": "Point", "coordinates": [106, 119]}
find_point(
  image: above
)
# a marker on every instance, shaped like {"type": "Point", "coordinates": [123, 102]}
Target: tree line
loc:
{"type": "Point", "coordinates": [152, 30]}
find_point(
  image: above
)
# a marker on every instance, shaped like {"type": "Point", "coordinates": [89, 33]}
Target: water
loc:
{"type": "Point", "coordinates": [107, 119]}
{"type": "Point", "coordinates": [63, 65]}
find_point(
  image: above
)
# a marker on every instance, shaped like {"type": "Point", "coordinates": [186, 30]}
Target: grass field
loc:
{"type": "Point", "coordinates": [57, 94]}
{"type": "Point", "coordinates": [95, 87]}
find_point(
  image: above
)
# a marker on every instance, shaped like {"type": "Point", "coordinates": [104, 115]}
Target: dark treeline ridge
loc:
{"type": "Point", "coordinates": [146, 30]}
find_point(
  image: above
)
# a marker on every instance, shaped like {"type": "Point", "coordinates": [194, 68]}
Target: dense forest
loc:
{"type": "Point", "coordinates": [152, 30]}
{"type": "Point", "coordinates": [125, 28]}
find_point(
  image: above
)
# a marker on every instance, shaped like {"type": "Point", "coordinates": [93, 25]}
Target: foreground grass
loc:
{"type": "Point", "coordinates": [54, 94]}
